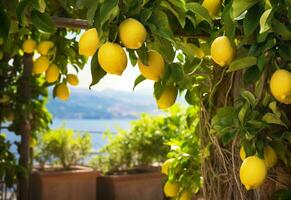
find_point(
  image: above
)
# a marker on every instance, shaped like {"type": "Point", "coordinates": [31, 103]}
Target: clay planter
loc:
{"type": "Point", "coordinates": [143, 185]}
{"type": "Point", "coordinates": [76, 184]}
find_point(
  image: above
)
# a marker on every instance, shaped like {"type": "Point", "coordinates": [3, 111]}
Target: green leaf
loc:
{"type": "Point", "coordinates": [5, 23]}
{"type": "Point", "coordinates": [42, 21]}
{"type": "Point", "coordinates": [191, 50]}
{"type": "Point", "coordinates": [264, 26]}
{"type": "Point", "coordinates": [138, 80]}
{"type": "Point", "coordinates": [142, 53]}
{"type": "Point", "coordinates": [240, 6]}
{"type": "Point", "coordinates": [158, 89]}
{"type": "Point", "coordinates": [165, 48]}
{"type": "Point", "coordinates": [242, 63]}
{"type": "Point", "coordinates": [177, 72]}
{"type": "Point", "coordinates": [243, 111]}
{"type": "Point", "coordinates": [97, 72]}
{"type": "Point", "coordinates": [179, 13]}
{"type": "Point", "coordinates": [275, 109]}
{"type": "Point", "coordinates": [271, 118]}
{"type": "Point", "coordinates": [281, 29]}
{"type": "Point", "coordinates": [200, 11]}
{"type": "Point", "coordinates": [20, 10]}
{"type": "Point", "coordinates": [251, 75]}
{"type": "Point", "coordinates": [132, 56]}
{"type": "Point", "coordinates": [251, 21]}
{"type": "Point", "coordinates": [108, 10]}
{"type": "Point", "coordinates": [249, 97]}
{"type": "Point", "coordinates": [228, 22]}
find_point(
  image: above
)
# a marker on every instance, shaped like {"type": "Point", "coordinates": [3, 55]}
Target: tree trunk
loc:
{"type": "Point", "coordinates": [24, 89]}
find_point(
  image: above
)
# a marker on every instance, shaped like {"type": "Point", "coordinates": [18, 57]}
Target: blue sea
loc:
{"type": "Point", "coordinates": [94, 126]}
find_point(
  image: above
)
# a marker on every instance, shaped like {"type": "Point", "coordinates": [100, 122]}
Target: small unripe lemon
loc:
{"type": "Point", "coordinates": [185, 195]}
{"type": "Point", "coordinates": [72, 79]}
{"type": "Point", "coordinates": [171, 189]}
{"type": "Point", "coordinates": [242, 153]}
{"type": "Point", "coordinates": [132, 33]}
{"type": "Point", "coordinates": [40, 65]}
{"type": "Point", "coordinates": [89, 42]}
{"type": "Point", "coordinates": [112, 58]}
{"type": "Point", "coordinates": [155, 68]}
{"type": "Point", "coordinates": [166, 165]}
{"type": "Point", "coordinates": [168, 97]}
{"type": "Point", "coordinates": [29, 46]}
{"type": "Point", "coordinates": [62, 92]}
{"type": "Point", "coordinates": [212, 6]}
{"type": "Point", "coordinates": [52, 73]}
{"type": "Point", "coordinates": [253, 172]}
{"type": "Point", "coordinates": [222, 51]}
{"type": "Point", "coordinates": [270, 157]}
{"type": "Point", "coordinates": [280, 86]}
{"type": "Point", "coordinates": [44, 47]}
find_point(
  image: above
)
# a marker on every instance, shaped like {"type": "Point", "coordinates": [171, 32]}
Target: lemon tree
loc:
{"type": "Point", "coordinates": [230, 58]}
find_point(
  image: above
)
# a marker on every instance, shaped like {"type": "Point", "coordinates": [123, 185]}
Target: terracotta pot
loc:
{"type": "Point", "coordinates": [77, 184]}
{"type": "Point", "coordinates": [140, 186]}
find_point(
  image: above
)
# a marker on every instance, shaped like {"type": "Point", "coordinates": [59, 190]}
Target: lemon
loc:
{"type": "Point", "coordinates": [44, 47]}
{"type": "Point", "coordinates": [222, 51]}
{"type": "Point", "coordinates": [155, 68]}
{"type": "Point", "coordinates": [253, 172]}
{"type": "Point", "coordinates": [29, 46]}
{"type": "Point", "coordinates": [112, 58]}
{"type": "Point", "coordinates": [62, 92]}
{"type": "Point", "coordinates": [10, 116]}
{"type": "Point", "coordinates": [132, 33]}
{"type": "Point", "coordinates": [168, 97]}
{"type": "Point", "coordinates": [72, 79]}
{"type": "Point", "coordinates": [212, 6]}
{"type": "Point", "coordinates": [40, 65]}
{"type": "Point", "coordinates": [270, 157]}
{"type": "Point", "coordinates": [280, 86]}
{"type": "Point", "coordinates": [185, 195]}
{"type": "Point", "coordinates": [52, 73]}
{"type": "Point", "coordinates": [242, 153]}
{"type": "Point", "coordinates": [4, 99]}
{"type": "Point", "coordinates": [89, 42]}
{"type": "Point", "coordinates": [171, 189]}
{"type": "Point", "coordinates": [166, 165]}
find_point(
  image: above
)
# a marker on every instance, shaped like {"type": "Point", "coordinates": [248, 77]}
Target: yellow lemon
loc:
{"type": "Point", "coordinates": [29, 46]}
{"type": "Point", "coordinates": [62, 92]}
{"type": "Point", "coordinates": [270, 157]}
{"type": "Point", "coordinates": [242, 153]}
{"type": "Point", "coordinates": [52, 73]}
{"type": "Point", "coordinates": [168, 97]}
{"type": "Point", "coordinates": [171, 189]}
{"type": "Point", "coordinates": [112, 58]}
{"type": "Point", "coordinates": [4, 99]}
{"type": "Point", "coordinates": [185, 195]}
{"type": "Point", "coordinates": [222, 51]}
{"type": "Point", "coordinates": [166, 165]}
{"type": "Point", "coordinates": [44, 47]}
{"type": "Point", "coordinates": [89, 42]}
{"type": "Point", "coordinates": [212, 6]}
{"type": "Point", "coordinates": [132, 33]}
{"type": "Point", "coordinates": [72, 79]}
{"type": "Point", "coordinates": [253, 172]}
{"type": "Point", "coordinates": [40, 65]}
{"type": "Point", "coordinates": [10, 116]}
{"type": "Point", "coordinates": [155, 68]}
{"type": "Point", "coordinates": [280, 86]}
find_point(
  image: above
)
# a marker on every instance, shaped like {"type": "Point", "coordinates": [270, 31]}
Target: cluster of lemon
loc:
{"type": "Point", "coordinates": [43, 64]}
{"type": "Point", "coordinates": [171, 189]}
{"type": "Point", "coordinates": [112, 57]}
{"type": "Point", "coordinates": [253, 170]}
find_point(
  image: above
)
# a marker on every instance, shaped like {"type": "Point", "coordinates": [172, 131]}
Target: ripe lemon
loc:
{"type": "Point", "coordinates": [4, 99]}
{"type": "Point", "coordinates": [280, 86]}
{"type": "Point", "coordinates": [212, 6]}
{"type": "Point", "coordinates": [132, 33]}
{"type": "Point", "coordinates": [253, 172]}
{"type": "Point", "coordinates": [155, 68]}
{"type": "Point", "coordinates": [222, 51]}
{"type": "Point", "coordinates": [89, 42]}
{"type": "Point", "coordinates": [270, 157]}
{"type": "Point", "coordinates": [168, 97]}
{"type": "Point", "coordinates": [62, 92]}
{"type": "Point", "coordinates": [29, 46]}
{"type": "Point", "coordinates": [44, 47]}
{"type": "Point", "coordinates": [171, 189]}
{"type": "Point", "coordinates": [112, 58]}
{"type": "Point", "coordinates": [166, 165]}
{"type": "Point", "coordinates": [185, 195]}
{"type": "Point", "coordinates": [52, 73]}
{"type": "Point", "coordinates": [40, 65]}
{"type": "Point", "coordinates": [72, 79]}
{"type": "Point", "coordinates": [242, 153]}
